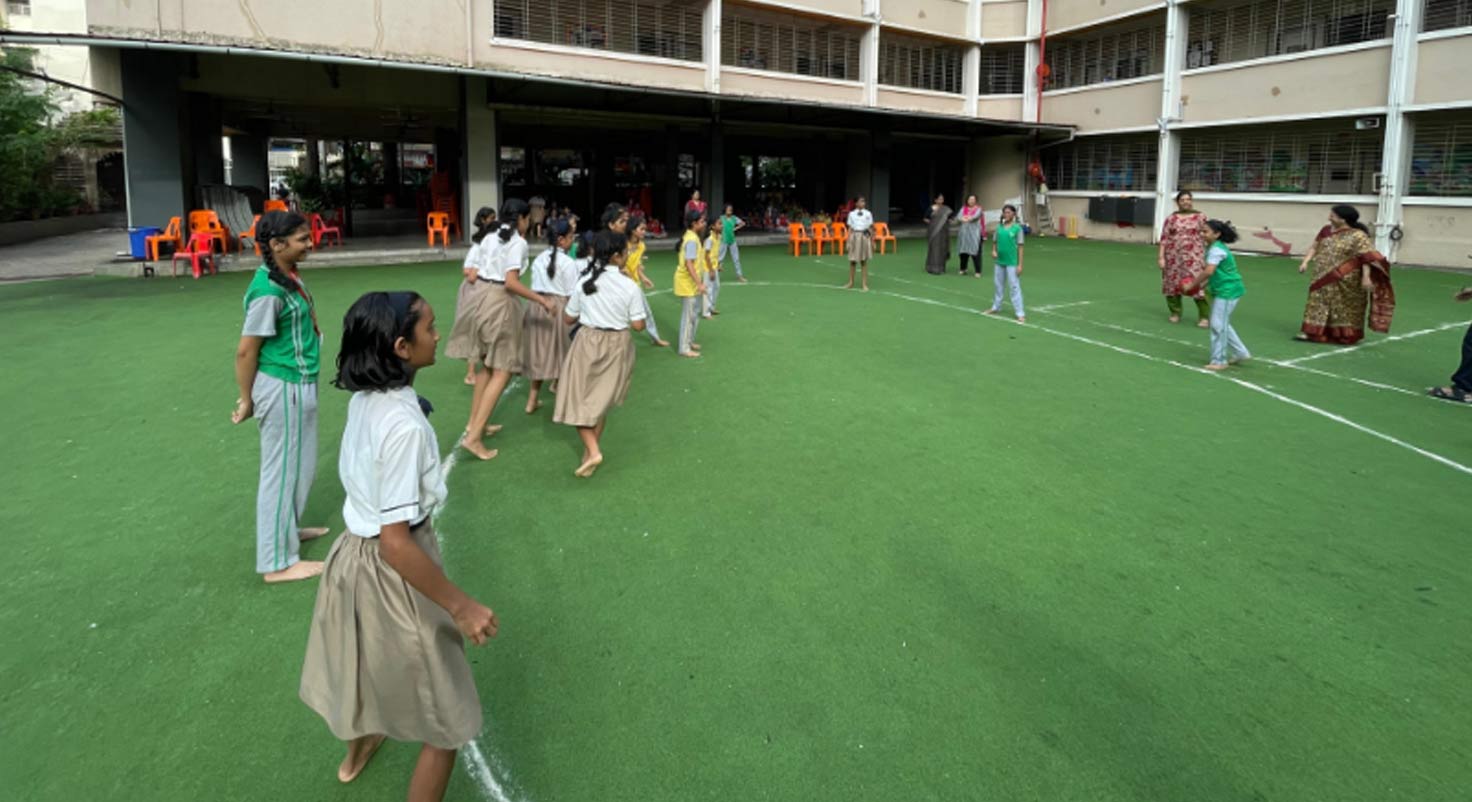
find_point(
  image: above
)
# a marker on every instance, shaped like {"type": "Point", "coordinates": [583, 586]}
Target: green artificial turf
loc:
{"type": "Point", "coordinates": [869, 547]}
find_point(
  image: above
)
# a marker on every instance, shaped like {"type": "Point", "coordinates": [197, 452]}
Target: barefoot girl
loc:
{"type": "Point", "coordinates": [1221, 277]}
{"type": "Point", "coordinates": [554, 276]}
{"type": "Point", "coordinates": [634, 269]}
{"type": "Point", "coordinates": [276, 368]}
{"type": "Point", "coordinates": [386, 652]}
{"type": "Point", "coordinates": [459, 346]}
{"type": "Point", "coordinates": [496, 325]}
{"type": "Point", "coordinates": [689, 282]}
{"type": "Point", "coordinates": [1007, 263]}
{"type": "Point", "coordinates": [595, 377]}
{"type": "Point", "coordinates": [712, 267]}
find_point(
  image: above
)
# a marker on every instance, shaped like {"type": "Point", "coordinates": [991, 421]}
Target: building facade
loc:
{"type": "Point", "coordinates": [1268, 110]}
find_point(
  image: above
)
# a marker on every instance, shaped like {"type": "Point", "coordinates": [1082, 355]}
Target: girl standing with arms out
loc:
{"type": "Point", "coordinates": [689, 285]}
{"type": "Point", "coordinates": [938, 236]}
{"type": "Point", "coordinates": [730, 224]}
{"type": "Point", "coordinates": [1220, 273]}
{"type": "Point", "coordinates": [710, 253]}
{"type": "Point", "coordinates": [1007, 262]}
{"type": "Point", "coordinates": [634, 269]}
{"type": "Point", "coordinates": [459, 346]}
{"type": "Point", "coordinates": [1350, 276]}
{"type": "Point", "coordinates": [1180, 256]}
{"type": "Point", "coordinates": [497, 321]}
{"type": "Point", "coordinates": [554, 276]}
{"type": "Point", "coordinates": [595, 377]}
{"type": "Point", "coordinates": [386, 652]}
{"type": "Point", "coordinates": [973, 231]}
{"type": "Point", "coordinates": [276, 367]}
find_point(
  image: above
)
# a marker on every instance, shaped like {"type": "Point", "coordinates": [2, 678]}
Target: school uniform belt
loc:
{"type": "Point", "coordinates": [490, 280]}
{"type": "Point", "coordinates": [600, 328]}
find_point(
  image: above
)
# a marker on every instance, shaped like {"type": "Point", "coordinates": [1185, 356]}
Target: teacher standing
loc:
{"type": "Point", "coordinates": [938, 236]}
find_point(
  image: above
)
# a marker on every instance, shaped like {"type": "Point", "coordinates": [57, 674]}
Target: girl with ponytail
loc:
{"type": "Point", "coordinates": [1350, 278]}
{"type": "Point", "coordinates": [459, 346]}
{"type": "Point", "coordinates": [276, 366]}
{"type": "Point", "coordinates": [1220, 274]}
{"type": "Point", "coordinates": [496, 320]}
{"type": "Point", "coordinates": [553, 277]}
{"type": "Point", "coordinates": [634, 269]}
{"type": "Point", "coordinates": [600, 362]}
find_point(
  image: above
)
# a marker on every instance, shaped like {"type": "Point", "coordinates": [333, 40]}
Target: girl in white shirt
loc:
{"type": "Point", "coordinates": [596, 373]}
{"type": "Point", "coordinates": [554, 276]}
{"type": "Point", "coordinates": [459, 346]}
{"type": "Point", "coordinates": [386, 655]}
{"type": "Point", "coordinates": [497, 321]}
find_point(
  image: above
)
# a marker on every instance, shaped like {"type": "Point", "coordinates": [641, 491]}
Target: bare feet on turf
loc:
{"type": "Point", "coordinates": [990, 312]}
{"type": "Point", "coordinates": [742, 280]}
{"type": "Point", "coordinates": [661, 343]}
{"type": "Point", "coordinates": [1175, 318]}
{"type": "Point", "coordinates": [530, 407]}
{"type": "Point", "coordinates": [691, 355]}
{"type": "Point", "coordinates": [1021, 319]}
{"type": "Point", "coordinates": [847, 286]}
{"type": "Point", "coordinates": [360, 751]}
{"type": "Point", "coordinates": [311, 532]}
{"type": "Point", "coordinates": [480, 451]}
{"type": "Point", "coordinates": [1237, 360]}
{"type": "Point", "coordinates": [470, 380]}
{"type": "Point", "coordinates": [589, 466]}
{"type": "Point", "coordinates": [866, 288]}
{"type": "Point", "coordinates": [694, 346]}
{"type": "Point", "coordinates": [1203, 323]}
{"type": "Point", "coordinates": [1215, 367]}
{"type": "Point", "coordinates": [306, 569]}
{"type": "Point", "coordinates": [492, 429]}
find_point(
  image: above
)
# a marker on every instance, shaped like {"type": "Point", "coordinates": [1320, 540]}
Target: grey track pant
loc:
{"type": "Point", "coordinates": [287, 414]}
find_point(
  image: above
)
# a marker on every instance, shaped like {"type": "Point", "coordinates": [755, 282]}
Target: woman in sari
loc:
{"type": "Point", "coordinates": [1182, 255]}
{"type": "Point", "coordinates": [939, 236]}
{"type": "Point", "coordinates": [973, 231]}
{"type": "Point", "coordinates": [1350, 278]}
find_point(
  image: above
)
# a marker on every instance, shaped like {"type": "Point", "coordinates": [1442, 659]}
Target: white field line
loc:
{"type": "Point", "coordinates": [1051, 307]}
{"type": "Point", "coordinates": [1378, 341]}
{"type": "Point", "coordinates": [1257, 388]}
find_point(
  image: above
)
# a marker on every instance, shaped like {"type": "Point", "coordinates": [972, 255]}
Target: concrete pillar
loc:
{"type": "Point", "coordinates": [869, 54]}
{"type": "Point", "coordinates": [1033, 58]}
{"type": "Point", "coordinates": [393, 178]}
{"type": "Point", "coordinates": [971, 79]}
{"type": "Point", "coordinates": [250, 162]}
{"type": "Point", "coordinates": [674, 202]}
{"type": "Point", "coordinates": [314, 158]}
{"type": "Point", "coordinates": [859, 163]}
{"type": "Point", "coordinates": [711, 29]}
{"type": "Point", "coordinates": [482, 150]}
{"type": "Point", "coordinates": [153, 136]}
{"type": "Point", "coordinates": [1168, 160]}
{"type": "Point", "coordinates": [1399, 128]}
{"type": "Point", "coordinates": [716, 180]}
{"type": "Point", "coordinates": [206, 142]}
{"type": "Point", "coordinates": [879, 175]}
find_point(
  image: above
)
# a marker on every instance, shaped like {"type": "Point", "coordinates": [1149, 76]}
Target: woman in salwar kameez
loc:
{"type": "Point", "coordinates": [1350, 279]}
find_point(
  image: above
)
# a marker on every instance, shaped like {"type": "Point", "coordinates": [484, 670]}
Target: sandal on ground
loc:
{"type": "Point", "coordinates": [1450, 394]}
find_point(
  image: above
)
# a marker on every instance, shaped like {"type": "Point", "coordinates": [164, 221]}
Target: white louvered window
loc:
{"type": "Point", "coordinates": [1001, 69]}
{"type": "Point", "coordinates": [1113, 54]}
{"type": "Point", "coordinates": [18, 8]}
{"type": "Point", "coordinates": [920, 63]}
{"type": "Point", "coordinates": [761, 40]}
{"type": "Point", "coordinates": [1226, 32]}
{"type": "Point", "coordinates": [1320, 158]}
{"type": "Point", "coordinates": [1111, 163]}
{"type": "Point", "coordinates": [1440, 15]}
{"type": "Point", "coordinates": [1441, 155]}
{"type": "Point", "coordinates": [666, 30]}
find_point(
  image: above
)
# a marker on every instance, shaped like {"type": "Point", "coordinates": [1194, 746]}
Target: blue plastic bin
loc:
{"type": "Point", "coordinates": [138, 240]}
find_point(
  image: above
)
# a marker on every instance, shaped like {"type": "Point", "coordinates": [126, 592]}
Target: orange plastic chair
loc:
{"type": "Point", "coordinates": [208, 222]}
{"type": "Point", "coordinates": [276, 206]}
{"type": "Point", "coordinates": [171, 233]}
{"type": "Point", "coordinates": [447, 206]}
{"type": "Point", "coordinates": [250, 234]}
{"type": "Point", "coordinates": [796, 236]}
{"type": "Point", "coordinates": [439, 223]}
{"type": "Point", "coordinates": [822, 235]}
{"type": "Point", "coordinates": [882, 235]}
{"type": "Point", "coordinates": [201, 246]}
{"type": "Point", "coordinates": [320, 230]}
{"type": "Point", "coordinates": [840, 238]}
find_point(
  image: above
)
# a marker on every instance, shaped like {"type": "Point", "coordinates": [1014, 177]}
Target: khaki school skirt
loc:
{"type": "Point", "coordinates": [460, 345]}
{"type": "Point", "coordinates": [595, 376]}
{"type": "Point", "coordinates": [496, 327]}
{"type": "Point", "coordinates": [860, 246]}
{"type": "Point", "coordinates": [382, 659]}
{"type": "Point", "coordinates": [545, 338]}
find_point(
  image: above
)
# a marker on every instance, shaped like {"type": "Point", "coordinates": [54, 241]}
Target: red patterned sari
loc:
{"type": "Point", "coordinates": [1337, 300]}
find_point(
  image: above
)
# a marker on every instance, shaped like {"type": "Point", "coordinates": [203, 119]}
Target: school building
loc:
{"type": "Point", "coordinates": [1269, 111]}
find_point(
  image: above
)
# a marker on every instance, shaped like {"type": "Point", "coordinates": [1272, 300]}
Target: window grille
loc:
{"type": "Point", "coordinates": [1442, 14]}
{"type": "Point", "coordinates": [671, 31]}
{"type": "Point", "coordinates": [761, 40]}
{"type": "Point", "coordinates": [919, 63]}
{"type": "Point", "coordinates": [1114, 54]}
{"type": "Point", "coordinates": [1113, 163]}
{"type": "Point", "coordinates": [18, 8]}
{"type": "Point", "coordinates": [1329, 158]}
{"type": "Point", "coordinates": [1223, 34]}
{"type": "Point", "coordinates": [1002, 69]}
{"type": "Point", "coordinates": [1441, 155]}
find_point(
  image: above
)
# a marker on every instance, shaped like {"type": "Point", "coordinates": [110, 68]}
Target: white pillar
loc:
{"type": "Point", "coordinates": [1168, 159]}
{"type": "Point", "coordinates": [971, 74]}
{"type": "Point", "coordinates": [1031, 62]}
{"type": "Point", "coordinates": [711, 29]}
{"type": "Point", "coordinates": [1399, 129]}
{"type": "Point", "coordinates": [869, 53]}
{"type": "Point", "coordinates": [482, 173]}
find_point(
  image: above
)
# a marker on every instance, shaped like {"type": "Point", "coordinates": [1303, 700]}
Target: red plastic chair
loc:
{"type": "Point", "coordinates": [796, 236]}
{"type": "Point", "coordinates": [173, 233]}
{"type": "Point", "coordinates": [439, 223]}
{"type": "Point", "coordinates": [201, 246]}
{"type": "Point", "coordinates": [206, 221]}
{"type": "Point", "coordinates": [321, 230]}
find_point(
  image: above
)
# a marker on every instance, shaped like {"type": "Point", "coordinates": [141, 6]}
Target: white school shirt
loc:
{"type": "Point", "coordinates": [503, 257]}
{"type": "Point", "coordinates": [563, 283]}
{"type": "Point", "coordinates": [389, 462]}
{"type": "Point", "coordinates": [860, 220]}
{"type": "Point", "coordinates": [472, 258]}
{"type": "Point", "coordinates": [617, 303]}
